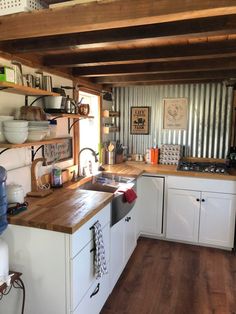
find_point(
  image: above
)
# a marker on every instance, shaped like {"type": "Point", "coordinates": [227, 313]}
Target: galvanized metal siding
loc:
{"type": "Point", "coordinates": [209, 117]}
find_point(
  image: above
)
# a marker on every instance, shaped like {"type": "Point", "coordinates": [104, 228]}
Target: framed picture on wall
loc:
{"type": "Point", "coordinates": [140, 120]}
{"type": "Point", "coordinates": [59, 151]}
{"type": "Point", "coordinates": [175, 113]}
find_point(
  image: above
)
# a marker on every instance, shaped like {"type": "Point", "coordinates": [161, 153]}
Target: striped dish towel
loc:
{"type": "Point", "coordinates": [100, 265]}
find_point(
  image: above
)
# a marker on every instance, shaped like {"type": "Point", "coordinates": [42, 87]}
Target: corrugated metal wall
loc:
{"type": "Point", "coordinates": [209, 117]}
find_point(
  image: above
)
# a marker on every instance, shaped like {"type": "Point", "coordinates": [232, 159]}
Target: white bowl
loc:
{"type": "Point", "coordinates": [16, 137]}
{"type": "Point", "coordinates": [38, 124]}
{"type": "Point", "coordinates": [2, 137]}
{"type": "Point", "coordinates": [15, 123]}
{"type": "Point", "coordinates": [36, 135]}
{"type": "Point", "coordinates": [7, 129]}
{"type": "Point", "coordinates": [5, 118]}
{"type": "Point", "coordinates": [40, 128]}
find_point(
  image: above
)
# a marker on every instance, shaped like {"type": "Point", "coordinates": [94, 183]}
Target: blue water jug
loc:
{"type": "Point", "coordinates": [3, 200]}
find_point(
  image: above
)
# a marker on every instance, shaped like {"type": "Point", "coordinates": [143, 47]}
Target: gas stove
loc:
{"type": "Point", "coordinates": [206, 167]}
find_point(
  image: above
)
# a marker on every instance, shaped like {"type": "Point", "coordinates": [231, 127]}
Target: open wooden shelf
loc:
{"type": "Point", "coordinates": [72, 116]}
{"type": "Point", "coordinates": [24, 90]}
{"type": "Point", "coordinates": [110, 129]}
{"type": "Point", "coordinates": [110, 114]}
{"type": "Point", "coordinates": [35, 143]}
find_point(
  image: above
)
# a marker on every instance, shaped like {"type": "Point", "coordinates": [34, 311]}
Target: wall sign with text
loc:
{"type": "Point", "coordinates": [59, 151]}
{"type": "Point", "coordinates": [139, 121]}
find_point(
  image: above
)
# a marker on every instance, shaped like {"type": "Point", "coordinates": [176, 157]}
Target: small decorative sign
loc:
{"type": "Point", "coordinates": [139, 122]}
{"type": "Point", "coordinates": [59, 151]}
{"type": "Point", "coordinates": [175, 113]}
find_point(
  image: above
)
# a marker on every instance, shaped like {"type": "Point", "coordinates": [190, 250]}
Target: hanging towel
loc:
{"type": "Point", "coordinates": [100, 265]}
{"type": "Point", "coordinates": [129, 195]}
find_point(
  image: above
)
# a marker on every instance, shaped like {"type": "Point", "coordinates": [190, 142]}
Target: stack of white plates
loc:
{"type": "Point", "coordinates": [15, 131]}
{"type": "Point", "coordinates": [38, 130]}
{"type": "Point", "coordinates": [3, 118]}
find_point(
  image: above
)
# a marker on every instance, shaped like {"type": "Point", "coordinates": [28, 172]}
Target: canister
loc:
{"type": "Point", "coordinates": [15, 193]}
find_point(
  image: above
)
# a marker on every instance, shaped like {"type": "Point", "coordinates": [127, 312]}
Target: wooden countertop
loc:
{"type": "Point", "coordinates": [68, 208]}
{"type": "Point", "coordinates": [65, 210]}
{"type": "Point", "coordinates": [135, 169]}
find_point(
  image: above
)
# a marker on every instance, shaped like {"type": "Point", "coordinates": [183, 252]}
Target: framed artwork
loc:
{"type": "Point", "coordinates": [175, 113]}
{"type": "Point", "coordinates": [59, 151]}
{"type": "Point", "coordinates": [139, 120]}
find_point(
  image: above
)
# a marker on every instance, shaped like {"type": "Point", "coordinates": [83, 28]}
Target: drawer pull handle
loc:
{"type": "Point", "coordinates": [95, 291]}
{"type": "Point", "coordinates": [92, 227]}
{"type": "Point", "coordinates": [92, 250]}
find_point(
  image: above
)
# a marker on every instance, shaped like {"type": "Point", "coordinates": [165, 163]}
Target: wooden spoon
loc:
{"type": "Point", "coordinates": [111, 147]}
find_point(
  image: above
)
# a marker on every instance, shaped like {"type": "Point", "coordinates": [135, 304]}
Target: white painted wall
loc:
{"type": "Point", "coordinates": [18, 161]}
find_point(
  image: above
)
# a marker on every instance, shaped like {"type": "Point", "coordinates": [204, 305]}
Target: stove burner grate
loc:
{"type": "Point", "coordinates": [206, 167]}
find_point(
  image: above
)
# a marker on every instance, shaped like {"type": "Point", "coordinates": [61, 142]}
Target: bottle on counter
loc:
{"type": "Point", "coordinates": [148, 156]}
{"type": "Point", "coordinates": [156, 156]}
{"type": "Point", "coordinates": [56, 177]}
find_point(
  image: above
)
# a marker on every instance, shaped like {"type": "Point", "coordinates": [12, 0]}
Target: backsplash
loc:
{"type": "Point", "coordinates": [208, 124]}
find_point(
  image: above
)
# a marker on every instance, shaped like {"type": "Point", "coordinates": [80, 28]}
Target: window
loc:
{"type": "Point", "coordinates": [89, 133]}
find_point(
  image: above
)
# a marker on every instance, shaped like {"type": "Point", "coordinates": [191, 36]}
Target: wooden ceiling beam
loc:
{"type": "Point", "coordinates": [220, 25]}
{"type": "Point", "coordinates": [108, 15]}
{"type": "Point", "coordinates": [164, 82]}
{"type": "Point", "coordinates": [205, 75]}
{"type": "Point", "coordinates": [174, 52]}
{"type": "Point", "coordinates": [159, 67]}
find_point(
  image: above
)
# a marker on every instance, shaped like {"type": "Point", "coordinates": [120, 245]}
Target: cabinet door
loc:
{"type": "Point", "coordinates": [150, 199]}
{"type": "Point", "coordinates": [217, 219]}
{"type": "Point", "coordinates": [116, 252]}
{"type": "Point", "coordinates": [130, 235]}
{"type": "Point", "coordinates": [183, 215]}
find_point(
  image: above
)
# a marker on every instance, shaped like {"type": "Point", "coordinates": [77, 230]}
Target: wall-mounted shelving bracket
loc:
{"type": "Point", "coordinates": [33, 153]}
{"type": "Point", "coordinates": [4, 150]}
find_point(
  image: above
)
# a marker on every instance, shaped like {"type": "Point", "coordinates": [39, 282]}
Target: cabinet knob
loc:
{"type": "Point", "coordinates": [203, 200]}
{"type": "Point", "coordinates": [197, 199]}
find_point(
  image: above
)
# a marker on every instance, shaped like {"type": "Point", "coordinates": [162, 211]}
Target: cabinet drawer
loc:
{"type": "Point", "coordinates": [199, 184]}
{"type": "Point", "coordinates": [82, 269]}
{"type": "Point", "coordinates": [95, 298]}
{"type": "Point", "coordinates": [84, 235]}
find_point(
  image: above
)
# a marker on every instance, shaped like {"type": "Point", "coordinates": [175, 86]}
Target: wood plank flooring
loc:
{"type": "Point", "coordinates": [170, 278]}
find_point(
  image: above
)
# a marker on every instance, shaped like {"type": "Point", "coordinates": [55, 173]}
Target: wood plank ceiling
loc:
{"type": "Point", "coordinates": [127, 42]}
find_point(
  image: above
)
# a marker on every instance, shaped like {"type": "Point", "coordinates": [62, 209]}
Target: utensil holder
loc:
{"type": "Point", "coordinates": [119, 158]}
{"type": "Point", "coordinates": [110, 157]}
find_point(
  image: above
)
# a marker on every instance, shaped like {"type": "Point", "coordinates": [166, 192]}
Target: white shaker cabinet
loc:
{"type": "Point", "coordinates": [201, 211]}
{"type": "Point", "coordinates": [123, 243]}
{"type": "Point", "coordinates": [150, 205]}
{"type": "Point", "coordinates": [57, 269]}
{"type": "Point", "coordinates": [182, 215]}
{"type": "Point", "coordinates": [217, 219]}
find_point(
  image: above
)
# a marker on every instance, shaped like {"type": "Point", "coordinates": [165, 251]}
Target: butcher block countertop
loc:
{"type": "Point", "coordinates": [135, 169]}
{"type": "Point", "coordinates": [65, 210]}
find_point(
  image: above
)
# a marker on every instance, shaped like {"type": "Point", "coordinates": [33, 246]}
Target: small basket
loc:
{"type": "Point", "coordinates": [16, 6]}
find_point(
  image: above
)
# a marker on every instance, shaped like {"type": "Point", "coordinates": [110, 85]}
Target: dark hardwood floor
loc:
{"type": "Point", "coordinates": [170, 278]}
